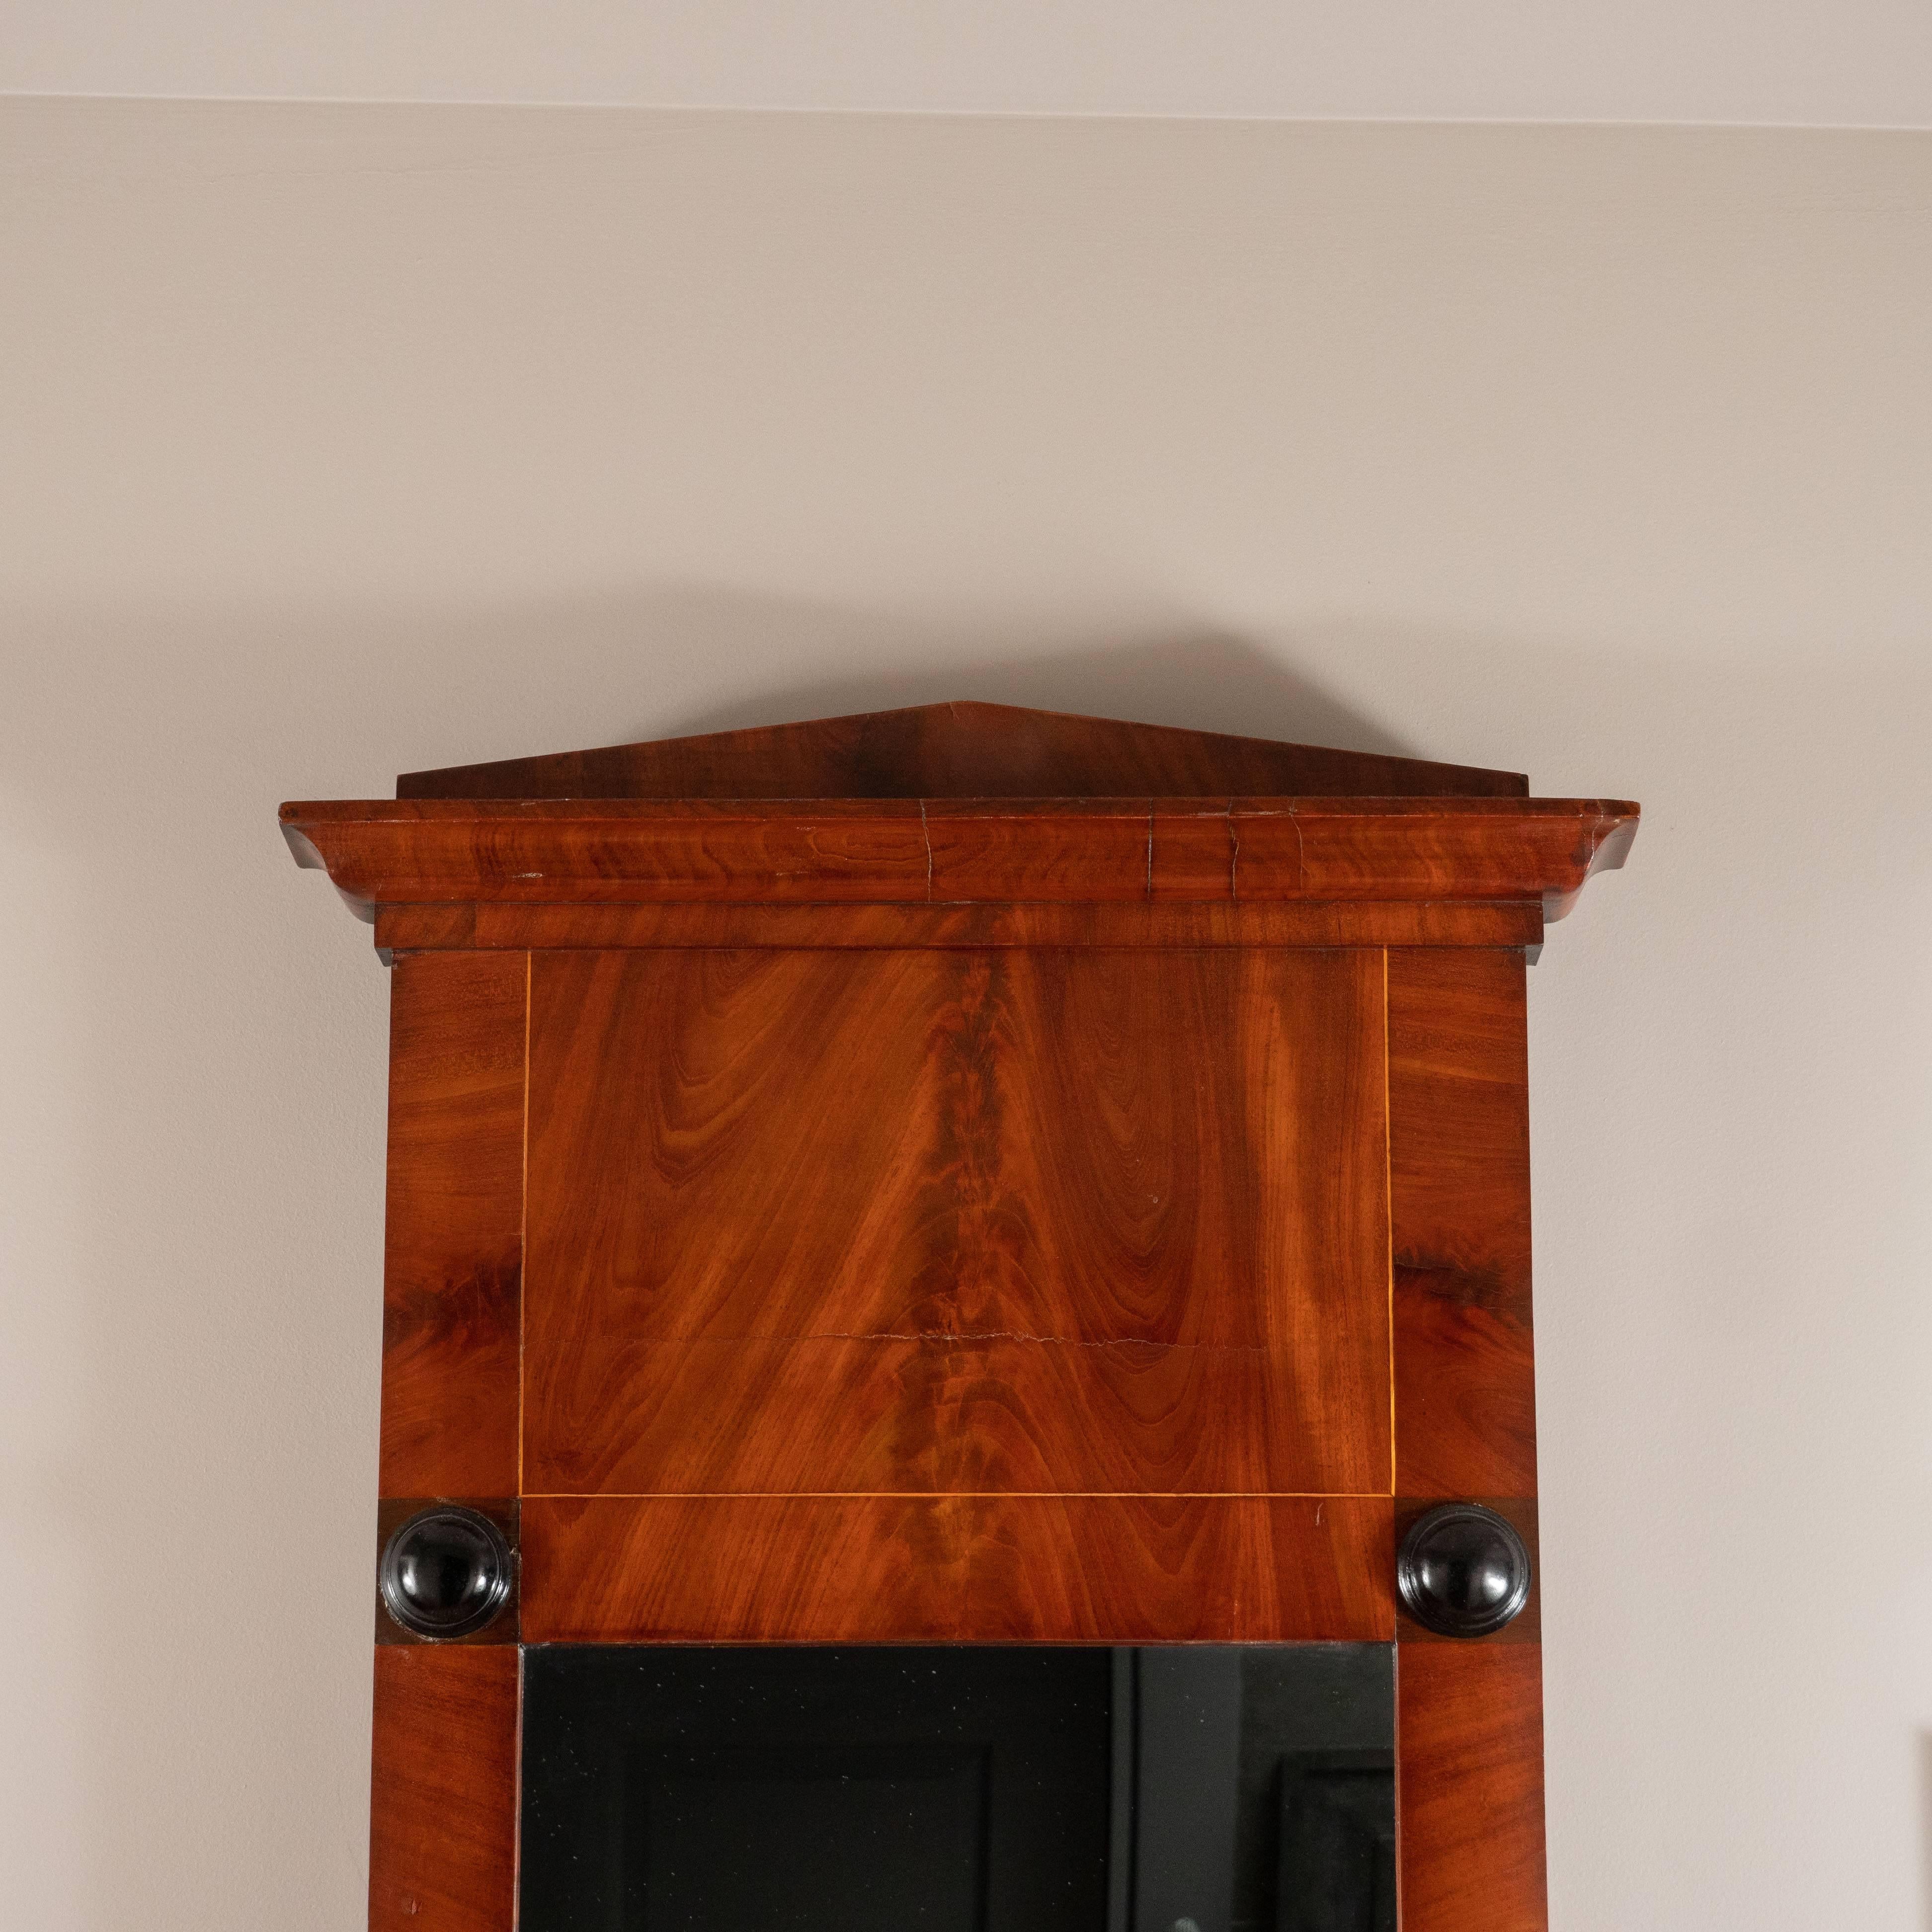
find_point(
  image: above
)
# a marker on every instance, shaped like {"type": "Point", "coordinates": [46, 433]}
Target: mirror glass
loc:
{"type": "Point", "coordinates": [1203, 1788]}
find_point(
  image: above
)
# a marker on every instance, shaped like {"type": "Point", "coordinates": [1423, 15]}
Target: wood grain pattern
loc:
{"type": "Point", "coordinates": [443, 1797]}
{"type": "Point", "coordinates": [1459, 1162]}
{"type": "Point", "coordinates": [859, 1414]}
{"type": "Point", "coordinates": [958, 750]}
{"type": "Point", "coordinates": [423, 852]}
{"type": "Point", "coordinates": [1109, 1148]}
{"type": "Point", "coordinates": [1469, 1787]}
{"type": "Point", "coordinates": [1001, 1569]}
{"type": "Point", "coordinates": [1425, 848]}
{"type": "Point", "coordinates": [966, 1150]}
{"type": "Point", "coordinates": [1469, 1735]}
{"type": "Point", "coordinates": [448, 927]}
{"type": "Point", "coordinates": [1066, 850]}
{"type": "Point", "coordinates": [1022, 1159]}
{"type": "Point", "coordinates": [1142, 926]}
{"type": "Point", "coordinates": [624, 851]}
{"type": "Point", "coordinates": [453, 1252]}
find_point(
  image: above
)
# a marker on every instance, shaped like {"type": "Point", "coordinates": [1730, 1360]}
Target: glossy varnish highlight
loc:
{"type": "Point", "coordinates": [977, 1569]}
{"type": "Point", "coordinates": [961, 1173]}
{"type": "Point", "coordinates": [961, 1221]}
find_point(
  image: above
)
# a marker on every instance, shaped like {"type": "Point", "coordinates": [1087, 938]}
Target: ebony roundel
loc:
{"type": "Point", "coordinates": [445, 1573]}
{"type": "Point", "coordinates": [1462, 1571]}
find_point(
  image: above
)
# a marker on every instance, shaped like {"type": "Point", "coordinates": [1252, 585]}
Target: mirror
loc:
{"type": "Point", "coordinates": [1204, 1788]}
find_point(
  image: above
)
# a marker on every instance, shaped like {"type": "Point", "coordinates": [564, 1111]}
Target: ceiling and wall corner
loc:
{"type": "Point", "coordinates": [1849, 63]}
{"type": "Point", "coordinates": [342, 440]}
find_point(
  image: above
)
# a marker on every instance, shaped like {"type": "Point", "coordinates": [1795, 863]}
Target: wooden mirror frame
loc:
{"type": "Point", "coordinates": [1390, 904]}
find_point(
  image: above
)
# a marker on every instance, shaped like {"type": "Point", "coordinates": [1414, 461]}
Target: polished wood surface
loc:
{"type": "Point", "coordinates": [953, 1221]}
{"type": "Point", "coordinates": [1459, 1179]}
{"type": "Point", "coordinates": [962, 1174]}
{"type": "Point", "coordinates": [915, 851]}
{"type": "Point", "coordinates": [956, 750]}
{"type": "Point", "coordinates": [453, 1250]}
{"type": "Point", "coordinates": [984, 1569]}
{"type": "Point", "coordinates": [442, 1832]}
{"type": "Point", "coordinates": [854, 1414]}
{"type": "Point", "coordinates": [1144, 926]}
{"type": "Point", "coordinates": [1469, 1787]}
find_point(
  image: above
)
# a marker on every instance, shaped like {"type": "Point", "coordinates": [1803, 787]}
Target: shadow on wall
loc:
{"type": "Point", "coordinates": [717, 660]}
{"type": "Point", "coordinates": [200, 1150]}
{"type": "Point", "coordinates": [195, 1145]}
{"type": "Point", "coordinates": [1209, 682]}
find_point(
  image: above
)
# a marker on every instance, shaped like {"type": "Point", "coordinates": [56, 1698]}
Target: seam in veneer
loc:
{"type": "Point", "coordinates": [992, 1335]}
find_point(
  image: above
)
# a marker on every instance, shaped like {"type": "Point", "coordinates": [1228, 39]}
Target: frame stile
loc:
{"type": "Point", "coordinates": [443, 1812]}
{"type": "Point", "coordinates": [1469, 1714]}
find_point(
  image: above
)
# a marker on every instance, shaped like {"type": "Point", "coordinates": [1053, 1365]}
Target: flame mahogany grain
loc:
{"type": "Point", "coordinates": [853, 1415]}
{"type": "Point", "coordinates": [443, 1836]}
{"type": "Point", "coordinates": [989, 1176]}
{"type": "Point", "coordinates": [453, 1250]}
{"type": "Point", "coordinates": [980, 1569]}
{"type": "Point", "coordinates": [936, 1220]}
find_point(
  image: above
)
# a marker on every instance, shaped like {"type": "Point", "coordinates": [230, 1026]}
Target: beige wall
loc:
{"type": "Point", "coordinates": [1792, 63]}
{"type": "Point", "coordinates": [342, 441]}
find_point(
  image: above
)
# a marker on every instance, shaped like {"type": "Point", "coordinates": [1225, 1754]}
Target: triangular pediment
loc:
{"type": "Point", "coordinates": [961, 750]}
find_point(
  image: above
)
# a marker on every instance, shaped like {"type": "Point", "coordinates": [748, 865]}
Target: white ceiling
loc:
{"type": "Point", "coordinates": [1847, 62]}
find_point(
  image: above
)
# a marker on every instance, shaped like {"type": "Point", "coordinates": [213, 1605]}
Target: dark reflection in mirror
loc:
{"type": "Point", "coordinates": [1207, 1788]}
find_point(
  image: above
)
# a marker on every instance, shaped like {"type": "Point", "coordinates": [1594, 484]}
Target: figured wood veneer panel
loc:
{"type": "Point", "coordinates": [453, 1254]}
{"type": "Point", "coordinates": [982, 1569]}
{"type": "Point", "coordinates": [1459, 1158]}
{"type": "Point", "coordinates": [443, 1797]}
{"type": "Point", "coordinates": [857, 1415]}
{"type": "Point", "coordinates": [1038, 1152]}
{"type": "Point", "coordinates": [1469, 1787]}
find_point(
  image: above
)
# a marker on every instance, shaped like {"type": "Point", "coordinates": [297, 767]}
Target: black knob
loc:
{"type": "Point", "coordinates": [445, 1572]}
{"type": "Point", "coordinates": [1462, 1571]}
